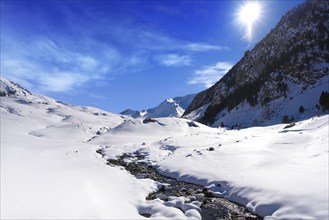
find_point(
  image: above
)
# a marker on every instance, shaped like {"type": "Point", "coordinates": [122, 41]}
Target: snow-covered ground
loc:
{"type": "Point", "coordinates": [50, 169]}
{"type": "Point", "coordinates": [273, 171]}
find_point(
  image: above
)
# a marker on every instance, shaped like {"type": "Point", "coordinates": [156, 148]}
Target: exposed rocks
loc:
{"type": "Point", "coordinates": [147, 215]}
{"type": "Point", "coordinates": [193, 124]}
{"type": "Point", "coordinates": [194, 200]}
{"type": "Point", "coordinates": [148, 120]}
{"type": "Point", "coordinates": [2, 93]}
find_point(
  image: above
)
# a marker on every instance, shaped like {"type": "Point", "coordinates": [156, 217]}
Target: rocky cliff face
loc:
{"type": "Point", "coordinates": [291, 62]}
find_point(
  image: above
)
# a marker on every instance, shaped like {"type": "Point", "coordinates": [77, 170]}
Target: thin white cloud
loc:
{"type": "Point", "coordinates": [97, 96]}
{"type": "Point", "coordinates": [54, 61]}
{"type": "Point", "coordinates": [209, 75]}
{"type": "Point", "coordinates": [61, 82]}
{"type": "Point", "coordinates": [202, 47]}
{"type": "Point", "coordinates": [88, 63]}
{"type": "Point", "coordinates": [156, 41]}
{"type": "Point", "coordinates": [173, 60]}
{"type": "Point", "coordinates": [46, 66]}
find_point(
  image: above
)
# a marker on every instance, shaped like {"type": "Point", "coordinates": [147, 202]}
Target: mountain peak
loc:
{"type": "Point", "coordinates": [170, 107]}
{"type": "Point", "coordinates": [11, 89]}
{"type": "Point", "coordinates": [128, 112]}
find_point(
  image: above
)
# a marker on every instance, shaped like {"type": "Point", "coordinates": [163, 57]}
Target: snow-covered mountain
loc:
{"type": "Point", "coordinates": [128, 112]}
{"type": "Point", "coordinates": [280, 79]}
{"type": "Point", "coordinates": [23, 103]}
{"type": "Point", "coordinates": [50, 168]}
{"type": "Point", "coordinates": [172, 107]}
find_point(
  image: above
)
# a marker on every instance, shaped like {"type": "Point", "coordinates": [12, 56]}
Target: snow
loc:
{"type": "Point", "coordinates": [273, 171]}
{"type": "Point", "coordinates": [248, 116]}
{"type": "Point", "coordinates": [171, 107]}
{"type": "Point", "coordinates": [52, 175]}
{"type": "Point", "coordinates": [50, 168]}
{"type": "Point", "coordinates": [129, 112]}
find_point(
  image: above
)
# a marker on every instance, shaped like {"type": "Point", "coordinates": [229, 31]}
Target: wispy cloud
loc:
{"type": "Point", "coordinates": [173, 60]}
{"type": "Point", "coordinates": [86, 48]}
{"type": "Point", "coordinates": [209, 75]}
{"type": "Point", "coordinates": [152, 40]}
{"type": "Point", "coordinates": [202, 47]}
{"type": "Point", "coordinates": [61, 81]}
{"type": "Point", "coordinates": [50, 66]}
{"type": "Point", "coordinates": [97, 96]}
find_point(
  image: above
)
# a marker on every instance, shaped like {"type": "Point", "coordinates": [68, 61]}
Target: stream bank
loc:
{"type": "Point", "coordinates": [182, 195]}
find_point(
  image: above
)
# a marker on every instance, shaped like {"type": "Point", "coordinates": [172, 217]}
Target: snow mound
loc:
{"type": "Point", "coordinates": [133, 130]}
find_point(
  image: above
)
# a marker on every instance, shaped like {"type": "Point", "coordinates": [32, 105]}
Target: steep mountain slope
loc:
{"type": "Point", "coordinates": [289, 68]}
{"type": "Point", "coordinates": [172, 107]}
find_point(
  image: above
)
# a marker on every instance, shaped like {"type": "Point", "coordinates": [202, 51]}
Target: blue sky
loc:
{"type": "Point", "coordinates": [125, 54]}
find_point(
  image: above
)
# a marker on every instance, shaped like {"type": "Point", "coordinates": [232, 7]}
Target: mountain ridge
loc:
{"type": "Point", "coordinates": [273, 70]}
{"type": "Point", "coordinates": [171, 107]}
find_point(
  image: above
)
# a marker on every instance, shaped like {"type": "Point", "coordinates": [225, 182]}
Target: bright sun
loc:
{"type": "Point", "coordinates": [248, 14]}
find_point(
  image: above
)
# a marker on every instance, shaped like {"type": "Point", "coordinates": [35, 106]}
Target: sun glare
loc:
{"type": "Point", "coordinates": [248, 14]}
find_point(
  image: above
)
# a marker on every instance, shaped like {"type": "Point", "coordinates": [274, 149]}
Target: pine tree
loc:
{"type": "Point", "coordinates": [324, 100]}
{"type": "Point", "coordinates": [285, 119]}
{"type": "Point", "coordinates": [301, 109]}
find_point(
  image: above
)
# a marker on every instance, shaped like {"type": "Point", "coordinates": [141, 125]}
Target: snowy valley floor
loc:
{"type": "Point", "coordinates": [50, 168]}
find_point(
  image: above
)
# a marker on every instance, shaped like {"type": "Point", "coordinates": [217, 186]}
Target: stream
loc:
{"type": "Point", "coordinates": [196, 196]}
